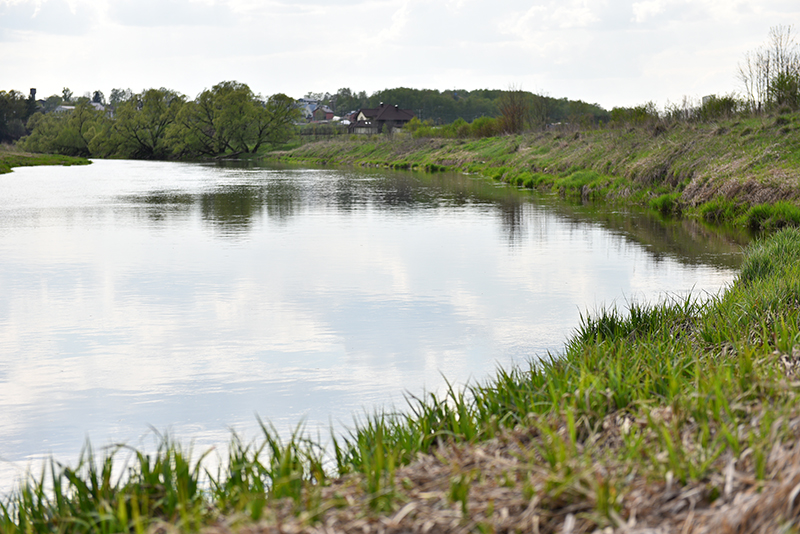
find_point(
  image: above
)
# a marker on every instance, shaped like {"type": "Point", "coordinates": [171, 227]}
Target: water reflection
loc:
{"type": "Point", "coordinates": [191, 296]}
{"type": "Point", "coordinates": [282, 194]}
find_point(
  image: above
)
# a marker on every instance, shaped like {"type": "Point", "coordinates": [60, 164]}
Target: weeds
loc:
{"type": "Point", "coordinates": [676, 396]}
{"type": "Point", "coordinates": [696, 169]}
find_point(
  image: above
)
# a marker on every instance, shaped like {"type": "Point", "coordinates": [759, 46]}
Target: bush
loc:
{"type": "Point", "coordinates": [578, 179]}
{"type": "Point", "coordinates": [667, 204]}
{"type": "Point", "coordinates": [485, 127]}
{"type": "Point", "coordinates": [460, 129]}
{"type": "Point", "coordinates": [719, 210]}
{"type": "Point", "coordinates": [722, 107]}
{"type": "Point", "coordinates": [769, 217]}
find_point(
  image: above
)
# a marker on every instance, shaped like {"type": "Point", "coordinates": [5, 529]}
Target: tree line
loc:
{"type": "Point", "coordinates": [228, 119]}
{"type": "Point", "coordinates": [447, 107]}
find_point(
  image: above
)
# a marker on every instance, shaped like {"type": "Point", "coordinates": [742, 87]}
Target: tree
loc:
{"type": "Point", "coordinates": [514, 110]}
{"type": "Point", "coordinates": [230, 119]}
{"type": "Point", "coordinates": [641, 115]}
{"type": "Point", "coordinates": [51, 103]}
{"type": "Point", "coordinates": [277, 120]}
{"type": "Point", "coordinates": [119, 95]}
{"type": "Point", "coordinates": [14, 112]}
{"type": "Point", "coordinates": [66, 94]}
{"type": "Point", "coordinates": [98, 97]}
{"type": "Point", "coordinates": [770, 75]}
{"type": "Point", "coordinates": [140, 125]}
{"type": "Point", "coordinates": [539, 111]}
{"type": "Point", "coordinates": [70, 133]}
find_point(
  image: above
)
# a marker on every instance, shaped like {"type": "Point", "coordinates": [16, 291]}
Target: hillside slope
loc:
{"type": "Point", "coordinates": [726, 171]}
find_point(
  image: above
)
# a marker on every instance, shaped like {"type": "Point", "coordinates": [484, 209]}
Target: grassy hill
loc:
{"type": "Point", "coordinates": [742, 171]}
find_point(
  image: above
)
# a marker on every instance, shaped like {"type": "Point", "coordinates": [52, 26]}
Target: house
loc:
{"type": "Point", "coordinates": [383, 119]}
{"type": "Point", "coordinates": [307, 107]}
{"type": "Point", "coordinates": [323, 113]}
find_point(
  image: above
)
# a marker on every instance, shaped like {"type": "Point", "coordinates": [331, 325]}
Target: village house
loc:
{"type": "Point", "coordinates": [383, 119]}
{"type": "Point", "coordinates": [322, 113]}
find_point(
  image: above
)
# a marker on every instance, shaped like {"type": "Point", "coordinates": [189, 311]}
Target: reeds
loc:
{"type": "Point", "coordinates": [656, 415]}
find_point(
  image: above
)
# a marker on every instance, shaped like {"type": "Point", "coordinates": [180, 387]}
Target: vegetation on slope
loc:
{"type": "Point", "coordinates": [737, 170]}
{"type": "Point", "coordinates": [682, 415]}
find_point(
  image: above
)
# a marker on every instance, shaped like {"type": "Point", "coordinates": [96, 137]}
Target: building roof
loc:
{"type": "Point", "coordinates": [394, 113]}
{"type": "Point", "coordinates": [387, 113]}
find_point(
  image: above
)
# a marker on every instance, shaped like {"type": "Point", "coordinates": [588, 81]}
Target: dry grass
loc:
{"type": "Point", "coordinates": [745, 162]}
{"type": "Point", "coordinates": [506, 492]}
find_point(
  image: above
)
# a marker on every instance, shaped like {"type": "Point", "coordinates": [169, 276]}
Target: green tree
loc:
{"type": "Point", "coordinates": [70, 133]}
{"type": "Point", "coordinates": [119, 95]}
{"type": "Point", "coordinates": [784, 89]}
{"type": "Point", "coordinates": [277, 121]}
{"type": "Point", "coordinates": [139, 129]}
{"type": "Point", "coordinates": [51, 103]}
{"type": "Point", "coordinates": [230, 119]}
{"type": "Point", "coordinates": [14, 110]}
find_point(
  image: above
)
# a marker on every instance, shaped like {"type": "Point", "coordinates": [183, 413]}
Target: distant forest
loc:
{"type": "Point", "coordinates": [446, 107]}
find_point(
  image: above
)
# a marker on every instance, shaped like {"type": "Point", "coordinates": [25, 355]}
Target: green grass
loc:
{"type": "Point", "coordinates": [11, 157]}
{"type": "Point", "coordinates": [717, 171]}
{"type": "Point", "coordinates": [652, 394]}
{"type": "Point", "coordinates": [667, 204]}
{"type": "Point", "coordinates": [771, 217]}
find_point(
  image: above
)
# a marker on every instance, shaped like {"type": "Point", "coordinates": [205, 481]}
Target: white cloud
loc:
{"type": "Point", "coordinates": [160, 13]}
{"type": "Point", "coordinates": [54, 17]}
{"type": "Point", "coordinates": [642, 11]}
{"type": "Point", "coordinates": [614, 52]}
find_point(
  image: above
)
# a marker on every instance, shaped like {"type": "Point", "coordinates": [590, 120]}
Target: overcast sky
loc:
{"type": "Point", "coordinates": [612, 52]}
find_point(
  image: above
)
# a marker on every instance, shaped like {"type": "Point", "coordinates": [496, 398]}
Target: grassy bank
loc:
{"type": "Point", "coordinates": [682, 416]}
{"type": "Point", "coordinates": [742, 171]}
{"type": "Point", "coordinates": [11, 157]}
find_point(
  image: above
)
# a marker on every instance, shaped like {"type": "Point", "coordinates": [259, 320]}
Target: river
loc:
{"type": "Point", "coordinates": [190, 298]}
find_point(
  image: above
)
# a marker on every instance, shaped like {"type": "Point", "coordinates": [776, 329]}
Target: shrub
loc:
{"type": "Point", "coordinates": [667, 204]}
{"type": "Point", "coordinates": [719, 209]}
{"type": "Point", "coordinates": [769, 217]}
{"type": "Point", "coordinates": [485, 127]}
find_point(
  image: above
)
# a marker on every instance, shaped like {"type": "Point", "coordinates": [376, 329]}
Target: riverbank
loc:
{"type": "Point", "coordinates": [11, 157]}
{"type": "Point", "coordinates": [741, 171]}
{"type": "Point", "coordinates": [680, 417]}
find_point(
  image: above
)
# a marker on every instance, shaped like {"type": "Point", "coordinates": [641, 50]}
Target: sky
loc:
{"type": "Point", "coordinates": [609, 52]}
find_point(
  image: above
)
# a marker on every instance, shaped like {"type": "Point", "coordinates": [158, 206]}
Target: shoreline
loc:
{"type": "Point", "coordinates": [680, 416]}
{"type": "Point", "coordinates": [11, 157]}
{"type": "Point", "coordinates": [676, 417]}
{"type": "Point", "coordinates": [739, 171]}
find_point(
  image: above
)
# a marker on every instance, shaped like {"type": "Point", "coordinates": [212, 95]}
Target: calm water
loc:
{"type": "Point", "coordinates": [190, 298]}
